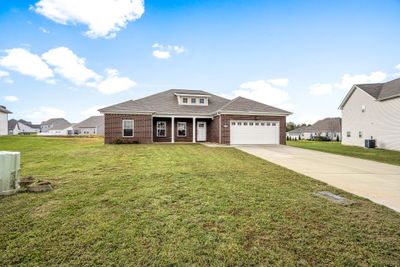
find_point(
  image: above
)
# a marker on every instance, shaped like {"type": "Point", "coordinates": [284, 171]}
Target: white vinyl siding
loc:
{"type": "Point", "coordinates": [3, 123]}
{"type": "Point", "coordinates": [380, 120]}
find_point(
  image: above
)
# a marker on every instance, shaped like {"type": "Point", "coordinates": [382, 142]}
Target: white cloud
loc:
{"type": "Point", "coordinates": [279, 82]}
{"type": "Point", "coordinates": [11, 98]}
{"type": "Point", "coordinates": [44, 30]}
{"type": "Point", "coordinates": [349, 80]}
{"type": "Point", "coordinates": [321, 89]}
{"type": "Point", "coordinates": [398, 68]}
{"type": "Point", "coordinates": [70, 66]}
{"type": "Point", "coordinates": [44, 113]}
{"type": "Point", "coordinates": [92, 111]}
{"type": "Point", "coordinates": [115, 84]}
{"type": "Point", "coordinates": [104, 18]}
{"type": "Point", "coordinates": [23, 61]}
{"type": "Point", "coordinates": [263, 91]}
{"type": "Point", "coordinates": [166, 51]}
{"type": "Point", "coordinates": [161, 54]}
{"type": "Point", "coordinates": [4, 76]}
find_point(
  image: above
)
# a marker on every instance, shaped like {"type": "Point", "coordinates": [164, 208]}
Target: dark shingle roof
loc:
{"type": "Point", "coordinates": [11, 124]}
{"type": "Point", "coordinates": [298, 130]}
{"type": "Point", "coordinates": [382, 91]}
{"type": "Point", "coordinates": [166, 102]}
{"type": "Point", "coordinates": [325, 125]}
{"type": "Point", "coordinates": [92, 122]}
{"type": "Point", "coordinates": [3, 109]}
{"type": "Point", "coordinates": [241, 104]}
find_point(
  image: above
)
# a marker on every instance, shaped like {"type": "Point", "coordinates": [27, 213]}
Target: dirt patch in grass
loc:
{"type": "Point", "coordinates": [45, 209]}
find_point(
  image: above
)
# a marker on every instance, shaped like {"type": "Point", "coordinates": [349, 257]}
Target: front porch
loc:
{"type": "Point", "coordinates": [173, 129]}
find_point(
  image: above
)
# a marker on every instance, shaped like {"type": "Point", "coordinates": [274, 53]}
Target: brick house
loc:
{"type": "Point", "coordinates": [179, 115]}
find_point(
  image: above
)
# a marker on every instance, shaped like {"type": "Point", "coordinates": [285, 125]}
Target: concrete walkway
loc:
{"type": "Point", "coordinates": [376, 181]}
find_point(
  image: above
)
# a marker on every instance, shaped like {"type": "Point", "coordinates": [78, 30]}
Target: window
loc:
{"type": "Point", "coordinates": [233, 123]}
{"type": "Point", "coordinates": [162, 128]}
{"type": "Point", "coordinates": [363, 109]}
{"type": "Point", "coordinates": [184, 100]}
{"type": "Point", "coordinates": [201, 100]}
{"type": "Point", "coordinates": [263, 124]}
{"type": "Point", "coordinates": [193, 100]}
{"type": "Point", "coordinates": [348, 134]}
{"type": "Point", "coordinates": [250, 123]}
{"type": "Point", "coordinates": [273, 124]}
{"type": "Point", "coordinates": [256, 123]}
{"type": "Point", "coordinates": [239, 124]}
{"type": "Point", "coordinates": [268, 124]}
{"type": "Point", "coordinates": [245, 123]}
{"type": "Point", "coordinates": [181, 129]}
{"type": "Point", "coordinates": [127, 128]}
{"type": "Point", "coordinates": [360, 134]}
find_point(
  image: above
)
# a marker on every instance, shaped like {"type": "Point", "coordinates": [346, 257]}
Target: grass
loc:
{"type": "Point", "coordinates": [180, 205]}
{"type": "Point", "coordinates": [380, 155]}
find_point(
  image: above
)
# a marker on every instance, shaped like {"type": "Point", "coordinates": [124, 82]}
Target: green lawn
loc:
{"type": "Point", "coordinates": [381, 155]}
{"type": "Point", "coordinates": [180, 205]}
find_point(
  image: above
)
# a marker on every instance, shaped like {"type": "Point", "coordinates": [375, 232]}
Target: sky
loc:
{"type": "Point", "coordinates": [68, 58]}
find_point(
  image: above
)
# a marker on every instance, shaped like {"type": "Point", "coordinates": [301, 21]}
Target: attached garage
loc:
{"type": "Point", "coordinates": [254, 132]}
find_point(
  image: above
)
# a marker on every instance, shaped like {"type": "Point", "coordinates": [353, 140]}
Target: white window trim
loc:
{"type": "Point", "coordinates": [177, 128]}
{"type": "Point", "coordinates": [133, 128]}
{"type": "Point", "coordinates": [195, 100]}
{"type": "Point", "coordinates": [165, 129]}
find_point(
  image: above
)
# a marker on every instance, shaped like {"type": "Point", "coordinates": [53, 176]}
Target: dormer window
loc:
{"type": "Point", "coordinates": [201, 100]}
{"type": "Point", "coordinates": [193, 100]}
{"type": "Point", "coordinates": [184, 100]}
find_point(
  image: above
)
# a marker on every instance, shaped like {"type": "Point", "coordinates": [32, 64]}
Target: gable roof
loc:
{"type": "Point", "coordinates": [3, 109]}
{"type": "Point", "coordinates": [325, 125]}
{"type": "Point", "coordinates": [379, 91]}
{"type": "Point", "coordinates": [241, 104]}
{"type": "Point", "coordinates": [299, 130]}
{"type": "Point", "coordinates": [11, 124]}
{"type": "Point", "coordinates": [92, 122]}
{"type": "Point", "coordinates": [57, 124]}
{"type": "Point", "coordinates": [166, 103]}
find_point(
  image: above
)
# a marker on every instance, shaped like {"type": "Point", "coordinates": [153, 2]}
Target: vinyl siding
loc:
{"type": "Point", "coordinates": [381, 120]}
{"type": "Point", "coordinates": [3, 124]}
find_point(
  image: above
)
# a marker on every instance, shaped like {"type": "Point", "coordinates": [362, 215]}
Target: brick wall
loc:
{"type": "Point", "coordinates": [213, 130]}
{"type": "Point", "coordinates": [225, 125]}
{"type": "Point", "coordinates": [113, 128]}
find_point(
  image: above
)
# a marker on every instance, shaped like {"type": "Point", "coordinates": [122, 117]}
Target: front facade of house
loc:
{"type": "Point", "coordinates": [91, 126]}
{"type": "Point", "coordinates": [330, 128]}
{"type": "Point", "coordinates": [22, 127]}
{"type": "Point", "coordinates": [56, 126]}
{"type": "Point", "coordinates": [4, 120]}
{"type": "Point", "coordinates": [372, 111]}
{"type": "Point", "coordinates": [194, 116]}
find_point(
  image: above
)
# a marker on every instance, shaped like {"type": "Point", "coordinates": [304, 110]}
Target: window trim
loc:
{"type": "Point", "coordinates": [158, 128]}
{"type": "Point", "coordinates": [177, 128]}
{"type": "Point", "coordinates": [202, 101]}
{"type": "Point", "coordinates": [195, 100]}
{"type": "Point", "coordinates": [133, 128]}
{"type": "Point", "coordinates": [185, 100]}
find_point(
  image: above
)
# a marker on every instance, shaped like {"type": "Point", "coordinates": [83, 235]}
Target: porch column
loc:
{"type": "Point", "coordinates": [194, 130]}
{"type": "Point", "coordinates": [172, 129]}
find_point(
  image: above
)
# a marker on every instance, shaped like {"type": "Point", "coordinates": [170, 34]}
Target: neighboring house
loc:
{"type": "Point", "coordinates": [57, 126]}
{"type": "Point", "coordinates": [179, 115]}
{"type": "Point", "coordinates": [22, 127]}
{"type": "Point", "coordinates": [328, 127]}
{"type": "Point", "coordinates": [298, 133]}
{"type": "Point", "coordinates": [91, 126]}
{"type": "Point", "coordinates": [4, 120]}
{"type": "Point", "coordinates": [372, 111]}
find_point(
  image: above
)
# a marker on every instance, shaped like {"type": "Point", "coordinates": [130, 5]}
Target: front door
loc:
{"type": "Point", "coordinates": [201, 131]}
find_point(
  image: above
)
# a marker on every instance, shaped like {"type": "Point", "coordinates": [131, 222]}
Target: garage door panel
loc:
{"type": "Point", "coordinates": [254, 132]}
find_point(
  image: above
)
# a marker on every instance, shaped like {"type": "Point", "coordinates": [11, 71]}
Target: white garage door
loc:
{"type": "Point", "coordinates": [248, 132]}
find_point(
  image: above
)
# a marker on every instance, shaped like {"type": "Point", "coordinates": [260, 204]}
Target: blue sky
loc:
{"type": "Point", "coordinates": [57, 59]}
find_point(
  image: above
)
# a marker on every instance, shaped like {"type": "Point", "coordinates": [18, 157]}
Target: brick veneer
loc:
{"type": "Point", "coordinates": [225, 125]}
{"type": "Point", "coordinates": [142, 128]}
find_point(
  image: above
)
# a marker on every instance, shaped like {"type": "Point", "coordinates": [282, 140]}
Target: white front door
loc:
{"type": "Point", "coordinates": [201, 131]}
{"type": "Point", "coordinates": [253, 132]}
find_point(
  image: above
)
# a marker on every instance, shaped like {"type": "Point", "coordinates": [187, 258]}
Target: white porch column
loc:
{"type": "Point", "coordinates": [194, 130]}
{"type": "Point", "coordinates": [172, 129]}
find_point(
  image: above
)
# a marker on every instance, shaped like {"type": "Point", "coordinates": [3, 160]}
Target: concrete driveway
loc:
{"type": "Point", "coordinates": [376, 181]}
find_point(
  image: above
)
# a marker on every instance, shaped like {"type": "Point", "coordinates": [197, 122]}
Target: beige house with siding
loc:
{"type": "Point", "coordinates": [372, 111]}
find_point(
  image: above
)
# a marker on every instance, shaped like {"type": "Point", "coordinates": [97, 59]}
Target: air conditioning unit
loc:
{"type": "Point", "coordinates": [9, 172]}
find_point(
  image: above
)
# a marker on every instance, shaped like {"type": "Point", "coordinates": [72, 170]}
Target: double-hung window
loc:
{"type": "Point", "coordinates": [127, 128]}
{"type": "Point", "coordinates": [161, 129]}
{"type": "Point", "coordinates": [181, 129]}
{"type": "Point", "coordinates": [184, 100]}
